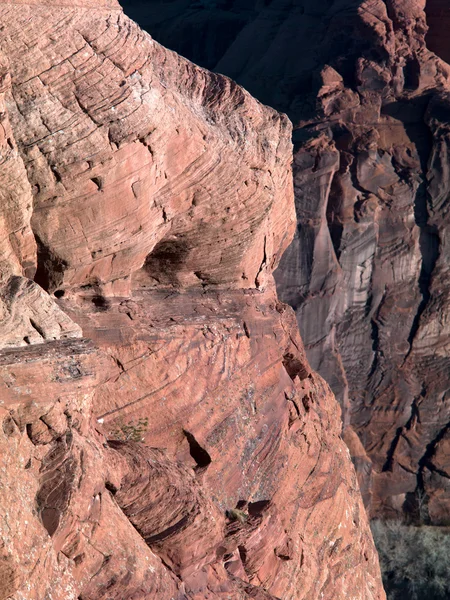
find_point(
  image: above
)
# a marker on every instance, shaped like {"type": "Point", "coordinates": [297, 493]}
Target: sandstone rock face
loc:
{"type": "Point", "coordinates": [367, 271]}
{"type": "Point", "coordinates": [177, 445]}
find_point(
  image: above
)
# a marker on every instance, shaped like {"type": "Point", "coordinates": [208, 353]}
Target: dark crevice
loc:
{"type": "Point", "coordinates": [242, 554]}
{"type": "Point", "coordinates": [411, 73]}
{"type": "Point", "coordinates": [101, 302]}
{"type": "Point", "coordinates": [111, 488]}
{"type": "Point", "coordinates": [56, 174]}
{"type": "Point", "coordinates": [375, 335]}
{"type": "Point", "coordinates": [36, 327]}
{"type": "Point", "coordinates": [415, 415]}
{"type": "Point", "coordinates": [429, 247]}
{"type": "Point", "coordinates": [353, 170]}
{"type": "Point", "coordinates": [306, 402]}
{"type": "Point", "coordinates": [413, 419]}
{"type": "Point", "coordinates": [29, 432]}
{"type": "Point", "coordinates": [256, 509]}
{"type": "Point", "coordinates": [333, 214]}
{"type": "Point", "coordinates": [169, 568]}
{"type": "Point", "coordinates": [263, 264]}
{"type": "Point", "coordinates": [374, 331]}
{"type": "Point", "coordinates": [336, 231]}
{"type": "Point", "coordinates": [199, 454]}
{"type": "Point", "coordinates": [440, 472]}
{"type": "Point", "coordinates": [294, 403]}
{"type": "Point", "coordinates": [98, 181]}
{"type": "Point", "coordinates": [119, 363]}
{"type": "Point", "coordinates": [425, 461]}
{"type": "Point", "coordinates": [294, 367]}
{"type": "Point", "coordinates": [50, 268]}
{"type": "Point", "coordinates": [392, 448]}
{"type": "Point", "coordinates": [166, 260]}
{"type": "Point", "coordinates": [158, 537]}
{"type": "Point", "coordinates": [204, 278]}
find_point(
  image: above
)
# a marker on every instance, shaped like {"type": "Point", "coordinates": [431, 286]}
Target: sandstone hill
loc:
{"type": "Point", "coordinates": [162, 433]}
{"type": "Point", "coordinates": [367, 272]}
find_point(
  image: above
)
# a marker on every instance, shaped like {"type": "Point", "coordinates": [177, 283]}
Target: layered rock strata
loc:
{"type": "Point", "coordinates": [164, 435]}
{"type": "Point", "coordinates": [367, 271]}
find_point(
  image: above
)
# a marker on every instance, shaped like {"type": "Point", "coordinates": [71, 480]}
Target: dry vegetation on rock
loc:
{"type": "Point", "coordinates": [415, 560]}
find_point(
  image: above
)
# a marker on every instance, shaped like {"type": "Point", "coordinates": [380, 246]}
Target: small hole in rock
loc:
{"type": "Point", "coordinates": [199, 454]}
{"type": "Point", "coordinates": [59, 293]}
{"type": "Point", "coordinates": [78, 559]}
{"type": "Point", "coordinates": [111, 487]}
{"type": "Point", "coordinates": [100, 302]}
{"type": "Point", "coordinates": [98, 181]}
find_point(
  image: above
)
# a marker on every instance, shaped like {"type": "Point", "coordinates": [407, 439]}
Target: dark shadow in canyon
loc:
{"type": "Point", "coordinates": [273, 48]}
{"type": "Point", "coordinates": [438, 20]}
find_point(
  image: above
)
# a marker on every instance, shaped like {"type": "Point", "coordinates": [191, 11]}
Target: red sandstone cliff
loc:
{"type": "Point", "coordinates": [367, 272]}
{"type": "Point", "coordinates": [160, 199]}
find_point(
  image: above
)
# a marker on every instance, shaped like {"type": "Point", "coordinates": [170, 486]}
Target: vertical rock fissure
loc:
{"type": "Point", "coordinates": [375, 335]}
{"type": "Point", "coordinates": [335, 225]}
{"type": "Point", "coordinates": [429, 245]}
{"type": "Point", "coordinates": [424, 462]}
{"type": "Point", "coordinates": [414, 417]}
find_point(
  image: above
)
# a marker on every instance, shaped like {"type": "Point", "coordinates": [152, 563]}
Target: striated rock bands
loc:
{"type": "Point", "coordinates": [169, 440]}
{"type": "Point", "coordinates": [367, 271]}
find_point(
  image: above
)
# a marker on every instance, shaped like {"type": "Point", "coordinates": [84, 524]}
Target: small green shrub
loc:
{"type": "Point", "coordinates": [133, 431]}
{"type": "Point", "coordinates": [235, 514]}
{"type": "Point", "coordinates": [415, 561]}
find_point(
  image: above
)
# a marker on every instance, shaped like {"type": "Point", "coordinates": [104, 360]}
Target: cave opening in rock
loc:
{"type": "Point", "coordinates": [50, 267]}
{"type": "Point", "coordinates": [438, 20]}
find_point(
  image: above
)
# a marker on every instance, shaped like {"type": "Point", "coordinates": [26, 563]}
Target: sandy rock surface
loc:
{"type": "Point", "coordinates": [182, 447]}
{"type": "Point", "coordinates": [367, 272]}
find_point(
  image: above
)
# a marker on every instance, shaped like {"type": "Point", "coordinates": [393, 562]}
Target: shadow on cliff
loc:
{"type": "Point", "coordinates": [274, 48]}
{"type": "Point", "coordinates": [412, 114]}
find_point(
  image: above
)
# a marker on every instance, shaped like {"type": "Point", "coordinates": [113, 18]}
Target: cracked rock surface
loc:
{"type": "Point", "coordinates": [162, 435]}
{"type": "Point", "coordinates": [367, 272]}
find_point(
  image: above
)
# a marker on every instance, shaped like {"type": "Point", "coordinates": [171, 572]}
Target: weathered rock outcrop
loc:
{"type": "Point", "coordinates": [177, 445]}
{"type": "Point", "coordinates": [367, 271]}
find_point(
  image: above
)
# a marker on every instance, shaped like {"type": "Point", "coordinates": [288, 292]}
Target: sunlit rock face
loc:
{"type": "Point", "coordinates": [162, 433]}
{"type": "Point", "coordinates": [367, 270]}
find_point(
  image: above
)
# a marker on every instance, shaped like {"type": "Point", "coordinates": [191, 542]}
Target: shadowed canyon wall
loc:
{"type": "Point", "coordinates": [367, 271]}
{"type": "Point", "coordinates": [162, 433]}
{"type": "Point", "coordinates": [438, 18]}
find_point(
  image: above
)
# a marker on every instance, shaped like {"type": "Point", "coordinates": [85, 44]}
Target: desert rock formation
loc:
{"type": "Point", "coordinates": [146, 203]}
{"type": "Point", "coordinates": [367, 272]}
